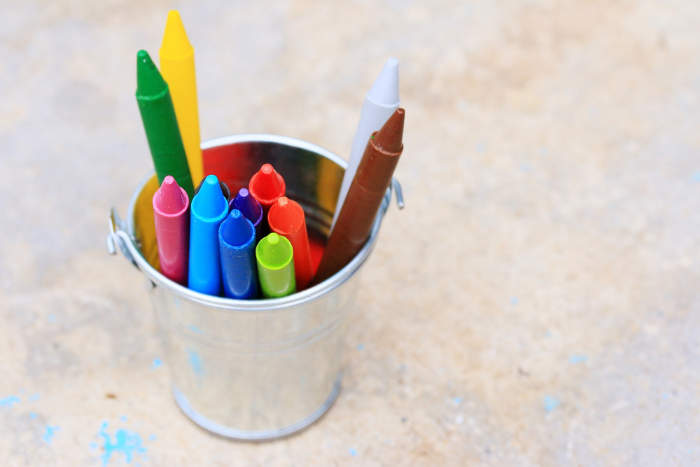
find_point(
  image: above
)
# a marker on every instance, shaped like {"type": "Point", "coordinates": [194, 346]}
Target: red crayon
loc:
{"type": "Point", "coordinates": [170, 204]}
{"type": "Point", "coordinates": [266, 185]}
{"type": "Point", "coordinates": [286, 217]}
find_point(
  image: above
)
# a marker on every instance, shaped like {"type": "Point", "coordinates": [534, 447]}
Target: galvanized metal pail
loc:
{"type": "Point", "coordinates": [253, 369]}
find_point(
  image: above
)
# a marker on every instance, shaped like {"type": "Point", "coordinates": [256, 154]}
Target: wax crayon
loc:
{"type": "Point", "coordinates": [266, 185]}
{"type": "Point", "coordinates": [364, 197]}
{"type": "Point", "coordinates": [209, 208]}
{"type": "Point", "coordinates": [237, 251]}
{"type": "Point", "coordinates": [286, 217]}
{"type": "Point", "coordinates": [160, 123]}
{"type": "Point", "coordinates": [274, 256]}
{"type": "Point", "coordinates": [177, 66]}
{"type": "Point", "coordinates": [170, 204]}
{"type": "Point", "coordinates": [250, 208]}
{"type": "Point", "coordinates": [381, 101]}
{"type": "Point", "coordinates": [224, 189]}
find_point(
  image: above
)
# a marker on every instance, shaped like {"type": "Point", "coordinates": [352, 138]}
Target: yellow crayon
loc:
{"type": "Point", "coordinates": [177, 68]}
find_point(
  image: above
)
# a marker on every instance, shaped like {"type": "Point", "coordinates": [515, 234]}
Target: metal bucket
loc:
{"type": "Point", "coordinates": [253, 369]}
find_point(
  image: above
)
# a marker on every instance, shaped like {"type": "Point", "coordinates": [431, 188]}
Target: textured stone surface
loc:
{"type": "Point", "coordinates": [535, 304]}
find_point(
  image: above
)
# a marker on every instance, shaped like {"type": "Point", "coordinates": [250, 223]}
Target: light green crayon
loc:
{"type": "Point", "coordinates": [274, 255]}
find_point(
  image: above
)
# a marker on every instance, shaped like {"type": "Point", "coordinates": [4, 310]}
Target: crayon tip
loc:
{"type": "Point", "coordinates": [267, 183]}
{"type": "Point", "coordinates": [175, 43]}
{"type": "Point", "coordinates": [236, 230]}
{"type": "Point", "coordinates": [209, 200]}
{"type": "Point", "coordinates": [285, 216]}
{"type": "Point", "coordinates": [389, 138]}
{"type": "Point", "coordinates": [170, 198]}
{"type": "Point", "coordinates": [385, 90]}
{"type": "Point", "coordinates": [149, 81]}
{"type": "Point", "coordinates": [248, 205]}
{"type": "Point", "coordinates": [274, 251]}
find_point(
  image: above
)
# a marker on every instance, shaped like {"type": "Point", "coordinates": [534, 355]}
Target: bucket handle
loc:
{"type": "Point", "coordinates": [118, 236]}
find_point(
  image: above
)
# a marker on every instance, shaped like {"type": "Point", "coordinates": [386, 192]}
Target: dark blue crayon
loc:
{"type": "Point", "coordinates": [239, 271]}
{"type": "Point", "coordinates": [251, 209]}
{"type": "Point", "coordinates": [207, 211]}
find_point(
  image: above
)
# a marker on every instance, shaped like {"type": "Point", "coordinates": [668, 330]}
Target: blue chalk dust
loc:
{"type": "Point", "coordinates": [123, 418]}
{"type": "Point", "coordinates": [457, 400]}
{"type": "Point", "coordinates": [360, 346]}
{"type": "Point", "coordinates": [353, 452]}
{"type": "Point", "coordinates": [550, 403]}
{"type": "Point", "coordinates": [9, 401]}
{"type": "Point", "coordinates": [577, 358]}
{"type": "Point", "coordinates": [696, 176]}
{"type": "Point", "coordinates": [195, 362]}
{"type": "Point", "coordinates": [125, 442]}
{"type": "Point", "coordinates": [34, 397]}
{"type": "Point", "coordinates": [514, 300]}
{"type": "Point", "coordinates": [49, 433]}
{"type": "Point", "coordinates": [157, 363]}
{"type": "Point", "coordinates": [32, 415]}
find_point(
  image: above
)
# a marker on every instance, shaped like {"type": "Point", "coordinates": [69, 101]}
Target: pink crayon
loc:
{"type": "Point", "coordinates": [170, 206]}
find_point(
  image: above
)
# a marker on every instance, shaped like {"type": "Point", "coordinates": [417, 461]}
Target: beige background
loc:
{"type": "Point", "coordinates": [535, 304]}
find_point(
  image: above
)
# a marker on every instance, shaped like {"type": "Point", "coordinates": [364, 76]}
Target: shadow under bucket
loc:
{"type": "Point", "coordinates": [253, 369]}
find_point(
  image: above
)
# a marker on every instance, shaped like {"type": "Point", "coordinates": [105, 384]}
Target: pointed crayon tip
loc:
{"type": "Point", "coordinates": [170, 197]}
{"type": "Point", "coordinates": [209, 200]}
{"type": "Point", "coordinates": [236, 230]}
{"type": "Point", "coordinates": [248, 205]}
{"type": "Point", "coordinates": [275, 251]}
{"type": "Point", "coordinates": [285, 216]}
{"type": "Point", "coordinates": [149, 81]}
{"type": "Point", "coordinates": [385, 90]}
{"type": "Point", "coordinates": [390, 137]}
{"type": "Point", "coordinates": [175, 43]}
{"type": "Point", "coordinates": [267, 184]}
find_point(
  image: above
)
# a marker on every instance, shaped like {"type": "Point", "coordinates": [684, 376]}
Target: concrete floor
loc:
{"type": "Point", "coordinates": [535, 304]}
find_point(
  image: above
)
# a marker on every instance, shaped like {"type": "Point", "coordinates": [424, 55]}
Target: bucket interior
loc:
{"type": "Point", "coordinates": [311, 179]}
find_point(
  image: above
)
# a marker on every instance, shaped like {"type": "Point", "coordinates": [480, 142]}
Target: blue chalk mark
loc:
{"type": "Point", "coordinates": [51, 318]}
{"type": "Point", "coordinates": [550, 403]}
{"type": "Point", "coordinates": [152, 438]}
{"type": "Point", "coordinates": [195, 362]}
{"type": "Point", "coordinates": [457, 400]}
{"type": "Point", "coordinates": [578, 358]}
{"type": "Point", "coordinates": [696, 176]}
{"type": "Point", "coordinates": [157, 363]}
{"type": "Point", "coordinates": [123, 418]}
{"type": "Point", "coordinates": [9, 401]}
{"type": "Point", "coordinates": [50, 432]}
{"type": "Point", "coordinates": [32, 415]}
{"type": "Point", "coordinates": [360, 346]}
{"type": "Point", "coordinates": [514, 300]}
{"type": "Point", "coordinates": [34, 397]}
{"type": "Point", "coordinates": [125, 442]}
{"type": "Point", "coordinates": [353, 452]}
{"type": "Point", "coordinates": [194, 328]}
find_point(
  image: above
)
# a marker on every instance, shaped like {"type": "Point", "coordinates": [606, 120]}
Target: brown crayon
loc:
{"type": "Point", "coordinates": [364, 196]}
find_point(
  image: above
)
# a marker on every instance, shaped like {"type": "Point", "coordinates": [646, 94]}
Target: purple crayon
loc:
{"type": "Point", "coordinates": [251, 210]}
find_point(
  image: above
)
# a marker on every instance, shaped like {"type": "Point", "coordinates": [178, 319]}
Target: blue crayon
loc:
{"type": "Point", "coordinates": [208, 209]}
{"type": "Point", "coordinates": [251, 209]}
{"type": "Point", "coordinates": [239, 271]}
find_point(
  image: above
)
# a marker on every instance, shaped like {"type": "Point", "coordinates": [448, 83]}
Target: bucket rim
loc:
{"type": "Point", "coordinates": [267, 304]}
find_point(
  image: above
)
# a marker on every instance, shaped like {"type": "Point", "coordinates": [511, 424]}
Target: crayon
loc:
{"type": "Point", "coordinates": [266, 185]}
{"type": "Point", "coordinates": [177, 66]}
{"type": "Point", "coordinates": [364, 197]}
{"type": "Point", "coordinates": [160, 123]}
{"type": "Point", "coordinates": [381, 101]}
{"type": "Point", "coordinates": [274, 256]}
{"type": "Point", "coordinates": [170, 204]}
{"type": "Point", "coordinates": [286, 217]}
{"type": "Point", "coordinates": [250, 208]}
{"type": "Point", "coordinates": [237, 251]}
{"type": "Point", "coordinates": [209, 208]}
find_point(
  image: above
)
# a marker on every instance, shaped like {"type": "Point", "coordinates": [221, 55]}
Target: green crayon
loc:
{"type": "Point", "coordinates": [162, 132]}
{"type": "Point", "coordinates": [274, 255]}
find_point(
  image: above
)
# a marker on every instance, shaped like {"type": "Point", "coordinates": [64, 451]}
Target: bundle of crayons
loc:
{"type": "Point", "coordinates": [256, 243]}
